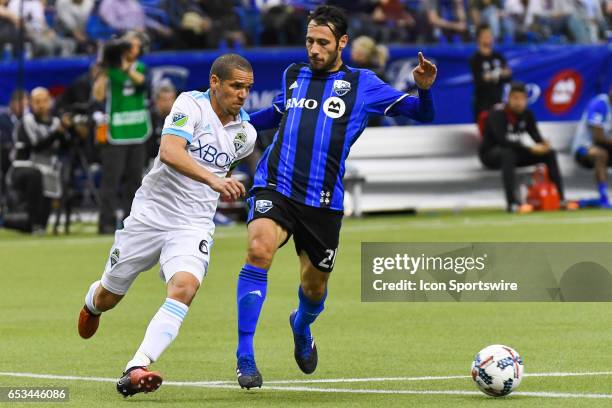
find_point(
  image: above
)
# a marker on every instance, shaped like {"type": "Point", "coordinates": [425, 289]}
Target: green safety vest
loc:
{"type": "Point", "coordinates": [126, 104]}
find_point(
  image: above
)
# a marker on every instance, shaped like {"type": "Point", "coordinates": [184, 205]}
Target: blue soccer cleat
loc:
{"type": "Point", "coordinates": [247, 372]}
{"type": "Point", "coordinates": [305, 351]}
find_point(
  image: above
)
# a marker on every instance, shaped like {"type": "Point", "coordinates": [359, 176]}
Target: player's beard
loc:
{"type": "Point", "coordinates": [330, 64]}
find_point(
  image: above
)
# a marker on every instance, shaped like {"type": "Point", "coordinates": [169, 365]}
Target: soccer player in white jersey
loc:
{"type": "Point", "coordinates": [204, 135]}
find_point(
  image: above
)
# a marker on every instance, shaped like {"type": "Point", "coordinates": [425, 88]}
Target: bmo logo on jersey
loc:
{"type": "Point", "coordinates": [302, 103]}
{"type": "Point", "coordinates": [211, 154]}
{"type": "Point", "coordinates": [334, 107]}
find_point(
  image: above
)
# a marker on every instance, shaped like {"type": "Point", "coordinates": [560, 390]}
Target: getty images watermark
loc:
{"type": "Point", "coordinates": [472, 272]}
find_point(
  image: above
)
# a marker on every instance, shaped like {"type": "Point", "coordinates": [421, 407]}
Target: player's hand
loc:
{"type": "Point", "coordinates": [540, 148]}
{"type": "Point", "coordinates": [125, 64]}
{"type": "Point", "coordinates": [66, 120]}
{"type": "Point", "coordinates": [425, 73]}
{"type": "Point", "coordinates": [228, 187]}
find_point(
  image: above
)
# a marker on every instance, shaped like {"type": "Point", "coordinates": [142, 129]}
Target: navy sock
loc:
{"type": "Point", "coordinates": [250, 296]}
{"type": "Point", "coordinates": [603, 191]}
{"type": "Point", "coordinates": [308, 310]}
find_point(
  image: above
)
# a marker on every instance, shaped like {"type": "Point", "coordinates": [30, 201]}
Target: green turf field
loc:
{"type": "Point", "coordinates": [43, 281]}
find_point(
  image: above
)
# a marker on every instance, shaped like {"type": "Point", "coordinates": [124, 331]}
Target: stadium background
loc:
{"type": "Point", "coordinates": [42, 278]}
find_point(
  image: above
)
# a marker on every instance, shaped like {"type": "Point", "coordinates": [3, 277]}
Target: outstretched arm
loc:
{"type": "Point", "coordinates": [264, 119]}
{"type": "Point", "coordinates": [421, 109]}
{"type": "Point", "coordinates": [382, 99]}
{"type": "Point", "coordinates": [269, 118]}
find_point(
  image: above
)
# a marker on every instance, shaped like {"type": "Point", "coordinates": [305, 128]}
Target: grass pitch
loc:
{"type": "Point", "coordinates": [381, 351]}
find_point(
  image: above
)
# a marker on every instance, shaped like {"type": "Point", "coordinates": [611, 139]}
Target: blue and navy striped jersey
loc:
{"type": "Point", "coordinates": [323, 114]}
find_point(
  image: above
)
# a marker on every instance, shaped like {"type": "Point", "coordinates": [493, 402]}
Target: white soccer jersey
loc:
{"type": "Point", "coordinates": [168, 200]}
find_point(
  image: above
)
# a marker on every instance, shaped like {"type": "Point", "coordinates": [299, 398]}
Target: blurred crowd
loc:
{"type": "Point", "coordinates": [68, 27]}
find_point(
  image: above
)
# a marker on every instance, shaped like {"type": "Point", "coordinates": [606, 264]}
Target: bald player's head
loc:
{"type": "Point", "coordinates": [40, 102]}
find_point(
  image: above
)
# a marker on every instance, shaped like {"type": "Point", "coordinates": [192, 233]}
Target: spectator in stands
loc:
{"type": "Point", "coordinates": [365, 53]}
{"type": "Point", "coordinates": [556, 17]}
{"type": "Point", "coordinates": [129, 127]}
{"type": "Point", "coordinates": [487, 12]}
{"type": "Point", "coordinates": [191, 25]}
{"type": "Point", "coordinates": [128, 15]}
{"type": "Point", "coordinates": [512, 139]}
{"type": "Point", "coordinates": [446, 20]}
{"type": "Point", "coordinates": [591, 14]}
{"type": "Point", "coordinates": [226, 24]}
{"type": "Point", "coordinates": [490, 72]}
{"type": "Point", "coordinates": [592, 146]}
{"type": "Point", "coordinates": [360, 16]}
{"type": "Point", "coordinates": [607, 11]}
{"type": "Point", "coordinates": [282, 25]}
{"type": "Point", "coordinates": [8, 120]}
{"type": "Point", "coordinates": [71, 20]}
{"type": "Point", "coordinates": [46, 42]}
{"type": "Point", "coordinates": [513, 19]}
{"type": "Point", "coordinates": [9, 28]}
{"type": "Point", "coordinates": [39, 138]}
{"type": "Point", "coordinates": [163, 98]}
{"type": "Point", "coordinates": [395, 23]}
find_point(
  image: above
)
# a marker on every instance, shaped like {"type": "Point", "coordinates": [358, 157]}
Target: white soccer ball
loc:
{"type": "Point", "coordinates": [497, 370]}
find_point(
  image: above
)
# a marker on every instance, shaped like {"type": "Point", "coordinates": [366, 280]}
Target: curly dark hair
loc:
{"type": "Point", "coordinates": [330, 16]}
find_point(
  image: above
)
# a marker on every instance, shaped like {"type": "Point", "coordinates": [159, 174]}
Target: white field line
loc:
{"type": "Point", "coordinates": [240, 231]}
{"type": "Point", "coordinates": [232, 385]}
{"type": "Point", "coordinates": [427, 378]}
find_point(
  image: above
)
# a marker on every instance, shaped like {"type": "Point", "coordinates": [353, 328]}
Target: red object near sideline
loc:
{"type": "Point", "coordinates": [542, 192]}
{"type": "Point", "coordinates": [481, 122]}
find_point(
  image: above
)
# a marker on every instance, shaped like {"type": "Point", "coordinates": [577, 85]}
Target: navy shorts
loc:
{"type": "Point", "coordinates": [315, 231]}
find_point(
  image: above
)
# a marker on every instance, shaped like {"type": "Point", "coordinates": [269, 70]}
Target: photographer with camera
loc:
{"type": "Point", "coordinates": [9, 118]}
{"type": "Point", "coordinates": [122, 83]}
{"type": "Point", "coordinates": [34, 176]}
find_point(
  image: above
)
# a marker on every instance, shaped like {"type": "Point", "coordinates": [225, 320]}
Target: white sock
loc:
{"type": "Point", "coordinates": [89, 298]}
{"type": "Point", "coordinates": [164, 328]}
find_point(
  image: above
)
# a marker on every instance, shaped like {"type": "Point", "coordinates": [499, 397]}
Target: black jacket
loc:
{"type": "Point", "coordinates": [507, 129]}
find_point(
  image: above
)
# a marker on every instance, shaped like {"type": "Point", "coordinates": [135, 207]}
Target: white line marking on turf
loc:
{"type": "Point", "coordinates": [373, 379]}
{"type": "Point", "coordinates": [427, 378]}
{"type": "Point", "coordinates": [102, 379]}
{"type": "Point", "coordinates": [231, 385]}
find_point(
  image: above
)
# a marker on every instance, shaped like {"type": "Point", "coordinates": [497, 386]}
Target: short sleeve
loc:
{"type": "Point", "coordinates": [279, 103]}
{"type": "Point", "coordinates": [597, 112]}
{"type": "Point", "coordinates": [183, 118]}
{"type": "Point", "coordinates": [379, 96]}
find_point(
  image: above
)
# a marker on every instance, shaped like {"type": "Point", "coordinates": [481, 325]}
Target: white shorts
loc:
{"type": "Point", "coordinates": [138, 248]}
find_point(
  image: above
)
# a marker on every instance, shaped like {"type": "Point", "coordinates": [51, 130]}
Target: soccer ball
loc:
{"type": "Point", "coordinates": [497, 370]}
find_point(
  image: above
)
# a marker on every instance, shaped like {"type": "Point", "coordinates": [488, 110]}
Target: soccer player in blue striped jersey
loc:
{"type": "Point", "coordinates": [323, 108]}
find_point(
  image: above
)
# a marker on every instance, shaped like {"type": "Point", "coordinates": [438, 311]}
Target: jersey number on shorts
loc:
{"type": "Point", "coordinates": [328, 262]}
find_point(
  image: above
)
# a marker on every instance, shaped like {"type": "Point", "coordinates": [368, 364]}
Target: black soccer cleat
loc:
{"type": "Point", "coordinates": [247, 372]}
{"type": "Point", "coordinates": [138, 379]}
{"type": "Point", "coordinates": [305, 351]}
